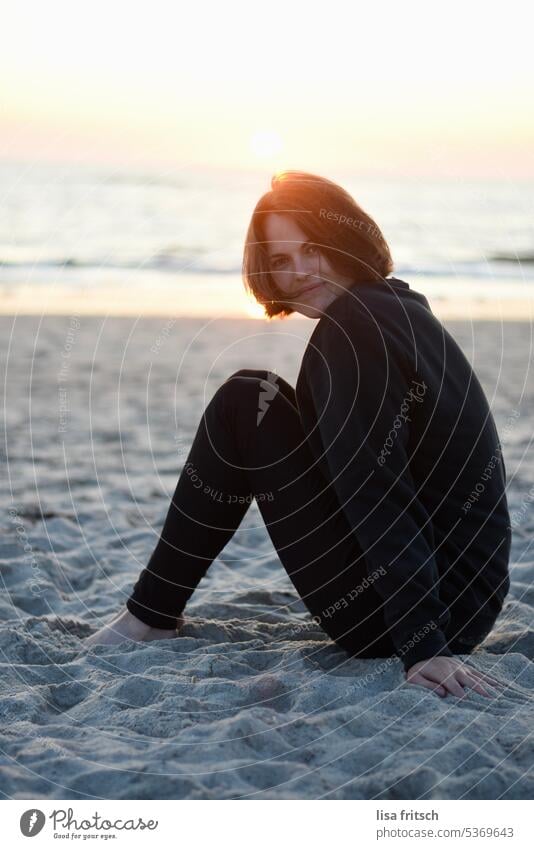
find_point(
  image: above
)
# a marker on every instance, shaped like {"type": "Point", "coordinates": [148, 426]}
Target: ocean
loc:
{"type": "Point", "coordinates": [82, 230]}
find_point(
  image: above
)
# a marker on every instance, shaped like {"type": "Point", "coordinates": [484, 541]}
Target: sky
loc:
{"type": "Point", "coordinates": [377, 88]}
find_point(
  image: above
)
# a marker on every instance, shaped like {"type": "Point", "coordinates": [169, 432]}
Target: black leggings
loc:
{"type": "Point", "coordinates": [250, 444]}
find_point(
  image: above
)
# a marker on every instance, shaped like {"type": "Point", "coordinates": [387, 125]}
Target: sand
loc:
{"type": "Point", "coordinates": [253, 700]}
{"type": "Point", "coordinates": [206, 295]}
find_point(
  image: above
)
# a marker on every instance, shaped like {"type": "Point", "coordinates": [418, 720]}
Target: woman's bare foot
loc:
{"type": "Point", "coordinates": [126, 626]}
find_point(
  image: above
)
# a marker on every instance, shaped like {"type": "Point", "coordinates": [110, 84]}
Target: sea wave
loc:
{"type": "Point", "coordinates": [495, 267]}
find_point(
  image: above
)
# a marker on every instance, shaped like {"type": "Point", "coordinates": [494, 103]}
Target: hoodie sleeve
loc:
{"type": "Point", "coordinates": [364, 394]}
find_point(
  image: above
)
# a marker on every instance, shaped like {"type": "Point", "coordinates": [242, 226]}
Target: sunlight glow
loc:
{"type": "Point", "coordinates": [266, 143]}
{"type": "Point", "coordinates": [75, 88]}
{"type": "Point", "coordinates": [253, 309]}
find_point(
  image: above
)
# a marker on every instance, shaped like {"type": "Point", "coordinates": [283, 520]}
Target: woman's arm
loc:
{"type": "Point", "coordinates": [365, 395]}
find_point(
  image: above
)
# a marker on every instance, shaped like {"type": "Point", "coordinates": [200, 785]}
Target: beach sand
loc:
{"type": "Point", "coordinates": [206, 295]}
{"type": "Point", "coordinates": [253, 700]}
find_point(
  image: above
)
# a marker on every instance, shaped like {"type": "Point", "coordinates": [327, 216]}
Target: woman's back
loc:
{"type": "Point", "coordinates": [398, 420]}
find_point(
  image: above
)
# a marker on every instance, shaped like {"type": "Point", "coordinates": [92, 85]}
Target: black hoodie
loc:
{"type": "Point", "coordinates": [398, 421]}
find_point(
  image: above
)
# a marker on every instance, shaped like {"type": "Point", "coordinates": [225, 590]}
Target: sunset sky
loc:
{"type": "Point", "coordinates": [381, 88]}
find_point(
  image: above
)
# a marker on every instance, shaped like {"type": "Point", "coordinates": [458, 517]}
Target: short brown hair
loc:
{"type": "Point", "coordinates": [320, 208]}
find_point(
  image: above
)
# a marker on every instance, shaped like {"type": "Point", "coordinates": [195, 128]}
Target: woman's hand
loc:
{"type": "Point", "coordinates": [449, 675]}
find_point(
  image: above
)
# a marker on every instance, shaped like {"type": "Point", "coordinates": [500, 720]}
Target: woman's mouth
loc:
{"type": "Point", "coordinates": [310, 288]}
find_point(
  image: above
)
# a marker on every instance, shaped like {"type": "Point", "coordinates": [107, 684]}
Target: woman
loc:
{"type": "Point", "coordinates": [365, 473]}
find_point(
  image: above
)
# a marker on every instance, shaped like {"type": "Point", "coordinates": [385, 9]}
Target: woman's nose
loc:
{"type": "Point", "coordinates": [305, 266]}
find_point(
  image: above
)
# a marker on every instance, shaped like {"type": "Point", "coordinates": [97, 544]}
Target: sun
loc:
{"type": "Point", "coordinates": [266, 143]}
{"type": "Point", "coordinates": [254, 309]}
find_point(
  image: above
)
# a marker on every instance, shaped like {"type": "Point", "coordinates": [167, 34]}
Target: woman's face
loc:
{"type": "Point", "coordinates": [299, 269]}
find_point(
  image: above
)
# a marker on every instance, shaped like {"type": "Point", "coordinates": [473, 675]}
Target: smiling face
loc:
{"type": "Point", "coordinates": [298, 268]}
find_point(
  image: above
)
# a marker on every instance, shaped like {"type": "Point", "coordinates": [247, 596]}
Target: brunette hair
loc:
{"type": "Point", "coordinates": [346, 235]}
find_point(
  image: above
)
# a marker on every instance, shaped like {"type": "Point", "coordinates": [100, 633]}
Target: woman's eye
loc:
{"type": "Point", "coordinates": [277, 263]}
{"type": "Point", "coordinates": [311, 249]}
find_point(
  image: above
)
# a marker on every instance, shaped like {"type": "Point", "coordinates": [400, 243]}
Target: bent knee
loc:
{"type": "Point", "coordinates": [249, 372]}
{"type": "Point", "coordinates": [235, 387]}
{"type": "Point", "coordinates": [259, 384]}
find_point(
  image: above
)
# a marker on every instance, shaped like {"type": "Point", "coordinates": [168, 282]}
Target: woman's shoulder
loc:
{"type": "Point", "coordinates": [347, 310]}
{"type": "Point", "coordinates": [356, 313]}
{"type": "Point", "coordinates": [388, 308]}
{"type": "Point", "coordinates": [359, 325]}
